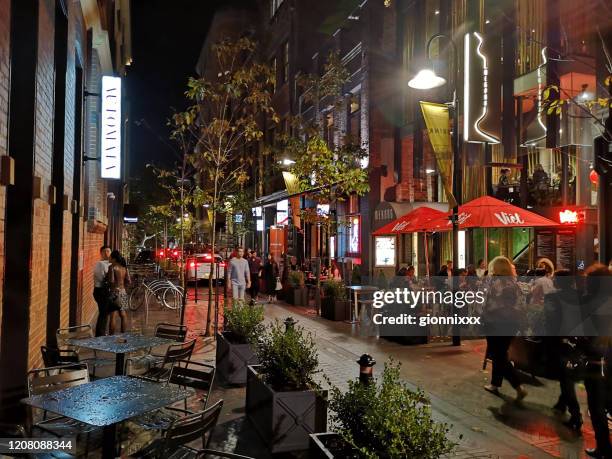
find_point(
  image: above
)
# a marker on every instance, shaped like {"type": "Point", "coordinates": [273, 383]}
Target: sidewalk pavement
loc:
{"type": "Point", "coordinates": [484, 425]}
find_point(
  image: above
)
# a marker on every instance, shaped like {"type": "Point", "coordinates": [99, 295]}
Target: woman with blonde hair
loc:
{"type": "Point", "coordinates": [501, 315]}
{"type": "Point", "coordinates": [543, 285]}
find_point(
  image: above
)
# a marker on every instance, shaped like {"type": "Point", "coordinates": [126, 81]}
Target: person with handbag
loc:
{"type": "Point", "coordinates": [500, 317]}
{"type": "Point", "coordinates": [271, 277]}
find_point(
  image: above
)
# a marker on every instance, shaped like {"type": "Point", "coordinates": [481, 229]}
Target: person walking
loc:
{"type": "Point", "coordinates": [270, 273]}
{"type": "Point", "coordinates": [118, 278]}
{"type": "Point", "coordinates": [239, 275]}
{"type": "Point", "coordinates": [255, 270]}
{"type": "Point", "coordinates": [100, 291]}
{"type": "Point", "coordinates": [501, 317]}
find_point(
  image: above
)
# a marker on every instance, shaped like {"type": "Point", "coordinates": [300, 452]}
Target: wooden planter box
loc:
{"type": "Point", "coordinates": [233, 359]}
{"type": "Point", "coordinates": [330, 445]}
{"type": "Point", "coordinates": [284, 420]}
{"type": "Point", "coordinates": [297, 296]}
{"type": "Point", "coordinates": [335, 309]}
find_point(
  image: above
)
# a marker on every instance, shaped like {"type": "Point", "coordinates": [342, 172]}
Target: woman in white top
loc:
{"type": "Point", "coordinates": [543, 285]}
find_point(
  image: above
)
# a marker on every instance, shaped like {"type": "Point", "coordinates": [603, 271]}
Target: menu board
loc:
{"type": "Point", "coordinates": [566, 249]}
{"type": "Point", "coordinates": [545, 245]}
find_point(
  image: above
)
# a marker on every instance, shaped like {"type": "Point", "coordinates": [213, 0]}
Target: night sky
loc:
{"type": "Point", "coordinates": [166, 42]}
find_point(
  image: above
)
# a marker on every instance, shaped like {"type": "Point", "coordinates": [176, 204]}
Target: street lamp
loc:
{"type": "Point", "coordinates": [427, 79]}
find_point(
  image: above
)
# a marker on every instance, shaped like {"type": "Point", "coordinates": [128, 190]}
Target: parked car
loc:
{"type": "Point", "coordinates": [198, 267]}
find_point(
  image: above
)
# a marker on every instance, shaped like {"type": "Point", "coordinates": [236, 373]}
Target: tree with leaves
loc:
{"type": "Point", "coordinates": [229, 105]}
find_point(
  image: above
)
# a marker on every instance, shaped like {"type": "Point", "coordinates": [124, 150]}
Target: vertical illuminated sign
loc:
{"type": "Point", "coordinates": [475, 90]}
{"type": "Point", "coordinates": [110, 155]}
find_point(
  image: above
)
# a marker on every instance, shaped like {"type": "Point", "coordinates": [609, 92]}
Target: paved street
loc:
{"type": "Point", "coordinates": [452, 377]}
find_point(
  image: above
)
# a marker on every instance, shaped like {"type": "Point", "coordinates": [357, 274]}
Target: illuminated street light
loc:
{"type": "Point", "coordinates": [287, 162]}
{"type": "Point", "coordinates": [426, 79]}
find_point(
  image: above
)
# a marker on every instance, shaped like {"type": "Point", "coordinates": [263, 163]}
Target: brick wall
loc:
{"type": "Point", "coordinates": [5, 9]}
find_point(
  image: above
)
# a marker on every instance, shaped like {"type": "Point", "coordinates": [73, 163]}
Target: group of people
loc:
{"type": "Point", "coordinates": [111, 277]}
{"type": "Point", "coordinates": [569, 306]}
{"type": "Point", "coordinates": [245, 275]}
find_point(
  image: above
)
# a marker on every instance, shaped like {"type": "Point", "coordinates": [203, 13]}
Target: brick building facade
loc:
{"type": "Point", "coordinates": [54, 211]}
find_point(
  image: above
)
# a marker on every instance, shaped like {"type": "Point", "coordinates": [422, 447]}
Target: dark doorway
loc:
{"type": "Point", "coordinates": [57, 175]}
{"type": "Point", "coordinates": [16, 307]}
{"type": "Point", "coordinates": [75, 269]}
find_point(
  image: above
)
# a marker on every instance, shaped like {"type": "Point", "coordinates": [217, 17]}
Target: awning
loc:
{"type": "Point", "coordinates": [271, 198]}
{"type": "Point", "coordinates": [412, 222]}
{"type": "Point", "coordinates": [488, 212]}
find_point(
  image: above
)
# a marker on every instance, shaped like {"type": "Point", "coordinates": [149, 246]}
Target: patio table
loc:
{"type": "Point", "coordinates": [356, 291]}
{"type": "Point", "coordinates": [120, 345]}
{"type": "Point", "coordinates": [109, 401]}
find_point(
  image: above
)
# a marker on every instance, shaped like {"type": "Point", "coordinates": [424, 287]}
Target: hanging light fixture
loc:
{"type": "Point", "coordinates": [426, 79]}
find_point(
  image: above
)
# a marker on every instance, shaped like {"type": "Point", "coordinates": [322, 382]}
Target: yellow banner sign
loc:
{"type": "Point", "coordinates": [437, 121]}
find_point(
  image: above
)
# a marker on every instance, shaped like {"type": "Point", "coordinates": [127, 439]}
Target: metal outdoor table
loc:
{"type": "Point", "coordinates": [107, 402]}
{"type": "Point", "coordinates": [356, 291]}
{"type": "Point", "coordinates": [120, 345]}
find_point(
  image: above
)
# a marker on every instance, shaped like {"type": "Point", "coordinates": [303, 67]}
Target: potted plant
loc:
{"type": "Point", "coordinates": [334, 304]}
{"type": "Point", "coordinates": [381, 419]}
{"type": "Point", "coordinates": [243, 325]}
{"type": "Point", "coordinates": [297, 293]}
{"type": "Point", "coordinates": [283, 402]}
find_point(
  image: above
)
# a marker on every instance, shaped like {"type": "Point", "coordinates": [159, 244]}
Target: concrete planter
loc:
{"type": "Point", "coordinates": [284, 420]}
{"type": "Point", "coordinates": [329, 445]}
{"type": "Point", "coordinates": [297, 296]}
{"type": "Point", "coordinates": [333, 309]}
{"type": "Point", "coordinates": [232, 360]}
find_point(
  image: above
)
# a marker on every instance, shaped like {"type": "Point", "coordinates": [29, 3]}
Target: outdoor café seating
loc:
{"type": "Point", "coordinates": [198, 376]}
{"type": "Point", "coordinates": [175, 332]}
{"type": "Point", "coordinates": [175, 354]}
{"type": "Point", "coordinates": [52, 379]}
{"type": "Point", "coordinates": [93, 359]}
{"type": "Point", "coordinates": [175, 443]}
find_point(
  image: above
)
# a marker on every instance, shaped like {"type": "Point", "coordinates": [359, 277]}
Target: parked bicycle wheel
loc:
{"type": "Point", "coordinates": [137, 298]}
{"type": "Point", "coordinates": [173, 298]}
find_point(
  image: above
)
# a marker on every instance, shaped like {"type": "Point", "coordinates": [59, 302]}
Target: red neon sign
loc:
{"type": "Point", "coordinates": [568, 217]}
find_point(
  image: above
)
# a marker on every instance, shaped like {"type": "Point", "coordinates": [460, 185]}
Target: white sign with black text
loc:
{"type": "Point", "coordinates": [110, 162]}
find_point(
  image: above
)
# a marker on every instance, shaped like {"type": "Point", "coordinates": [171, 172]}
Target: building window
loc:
{"type": "Point", "coordinates": [354, 243]}
{"type": "Point", "coordinates": [354, 123]}
{"type": "Point", "coordinates": [385, 251]}
{"type": "Point", "coordinates": [328, 129]}
{"type": "Point", "coordinates": [274, 6]}
{"type": "Point", "coordinates": [285, 74]}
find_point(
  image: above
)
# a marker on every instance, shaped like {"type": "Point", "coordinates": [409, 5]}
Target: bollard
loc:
{"type": "Point", "coordinates": [290, 324]}
{"type": "Point", "coordinates": [366, 370]}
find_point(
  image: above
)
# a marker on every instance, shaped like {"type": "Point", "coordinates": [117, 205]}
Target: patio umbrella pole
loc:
{"type": "Point", "coordinates": [426, 254]}
{"type": "Point", "coordinates": [486, 246]}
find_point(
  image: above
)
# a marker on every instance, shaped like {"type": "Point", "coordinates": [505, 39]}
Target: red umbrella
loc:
{"type": "Point", "coordinates": [414, 221]}
{"type": "Point", "coordinates": [488, 212]}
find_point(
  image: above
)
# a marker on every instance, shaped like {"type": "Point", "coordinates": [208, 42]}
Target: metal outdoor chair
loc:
{"type": "Point", "coordinates": [174, 443]}
{"type": "Point", "coordinates": [176, 353]}
{"type": "Point", "coordinates": [52, 356]}
{"type": "Point", "coordinates": [198, 376]}
{"type": "Point", "coordinates": [174, 332]}
{"type": "Point", "coordinates": [51, 379]}
{"type": "Point", "coordinates": [62, 336]}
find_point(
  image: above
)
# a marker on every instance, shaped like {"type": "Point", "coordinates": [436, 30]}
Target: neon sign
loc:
{"type": "Point", "coordinates": [569, 217]}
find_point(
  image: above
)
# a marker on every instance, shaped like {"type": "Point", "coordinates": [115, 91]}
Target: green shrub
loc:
{"type": "Point", "coordinates": [334, 289]}
{"type": "Point", "coordinates": [288, 359]}
{"type": "Point", "coordinates": [244, 323]}
{"type": "Point", "coordinates": [296, 279]}
{"type": "Point", "coordinates": [386, 419]}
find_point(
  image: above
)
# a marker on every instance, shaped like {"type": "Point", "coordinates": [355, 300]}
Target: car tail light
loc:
{"type": "Point", "coordinates": [161, 253]}
{"type": "Point", "coordinates": [222, 264]}
{"type": "Point", "coordinates": [175, 253]}
{"type": "Point", "coordinates": [192, 264]}
{"type": "Point", "coordinates": [207, 256]}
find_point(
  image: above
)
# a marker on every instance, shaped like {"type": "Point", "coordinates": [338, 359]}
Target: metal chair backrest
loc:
{"type": "Point", "coordinates": [53, 356]}
{"type": "Point", "coordinates": [179, 352]}
{"type": "Point", "coordinates": [171, 331]}
{"type": "Point", "coordinates": [195, 375]}
{"type": "Point", "coordinates": [76, 332]}
{"type": "Point", "coordinates": [191, 427]}
{"type": "Point", "coordinates": [51, 379]}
